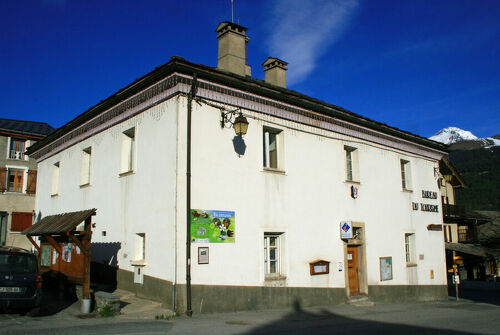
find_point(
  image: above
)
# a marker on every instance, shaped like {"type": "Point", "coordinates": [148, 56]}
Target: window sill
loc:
{"type": "Point", "coordinates": [411, 265]}
{"type": "Point", "coordinates": [406, 190]}
{"type": "Point", "coordinates": [127, 173]}
{"type": "Point", "coordinates": [275, 278]}
{"type": "Point", "coordinates": [139, 262]}
{"type": "Point", "coordinates": [54, 195]}
{"type": "Point", "coordinates": [347, 181]}
{"type": "Point", "coordinates": [85, 185]}
{"type": "Point", "coordinates": [272, 170]}
{"type": "Point", "coordinates": [14, 193]}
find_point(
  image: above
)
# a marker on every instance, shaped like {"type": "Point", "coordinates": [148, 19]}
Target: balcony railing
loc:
{"type": "Point", "coordinates": [453, 211]}
{"type": "Point", "coordinates": [16, 154]}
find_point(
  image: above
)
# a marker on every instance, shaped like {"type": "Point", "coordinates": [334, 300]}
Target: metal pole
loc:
{"type": "Point", "coordinates": [191, 95]}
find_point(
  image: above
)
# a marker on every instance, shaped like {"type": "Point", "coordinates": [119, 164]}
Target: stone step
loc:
{"type": "Point", "coordinates": [360, 301]}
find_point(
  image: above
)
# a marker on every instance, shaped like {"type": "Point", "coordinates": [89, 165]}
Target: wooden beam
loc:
{"type": "Point", "coordinates": [53, 243]}
{"type": "Point", "coordinates": [34, 243]}
{"type": "Point", "coordinates": [87, 258]}
{"type": "Point", "coordinates": [77, 242]}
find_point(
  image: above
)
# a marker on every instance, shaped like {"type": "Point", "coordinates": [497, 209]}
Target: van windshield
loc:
{"type": "Point", "coordinates": [17, 263]}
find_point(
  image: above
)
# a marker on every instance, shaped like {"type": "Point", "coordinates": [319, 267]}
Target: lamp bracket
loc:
{"type": "Point", "coordinates": [227, 118]}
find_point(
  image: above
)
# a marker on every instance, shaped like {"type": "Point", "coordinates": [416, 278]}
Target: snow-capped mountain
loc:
{"type": "Point", "coordinates": [452, 135]}
{"type": "Point", "coordinates": [460, 139]}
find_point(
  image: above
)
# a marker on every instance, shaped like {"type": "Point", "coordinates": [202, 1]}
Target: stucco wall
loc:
{"type": "Point", "coordinates": [142, 202]}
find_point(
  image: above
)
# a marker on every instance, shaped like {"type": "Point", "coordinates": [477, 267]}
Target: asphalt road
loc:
{"type": "Point", "coordinates": [443, 317]}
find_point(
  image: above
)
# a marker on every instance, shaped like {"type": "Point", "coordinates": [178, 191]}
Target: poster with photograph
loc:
{"type": "Point", "coordinates": [46, 255]}
{"type": "Point", "coordinates": [55, 256]}
{"type": "Point", "coordinates": [66, 252]}
{"type": "Point", "coordinates": [212, 226]}
{"type": "Point", "coordinates": [385, 268]}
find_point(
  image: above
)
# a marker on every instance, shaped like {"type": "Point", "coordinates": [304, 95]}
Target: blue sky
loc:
{"type": "Point", "coordinates": [416, 65]}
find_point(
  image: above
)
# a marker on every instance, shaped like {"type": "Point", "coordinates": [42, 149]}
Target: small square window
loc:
{"type": "Point", "coordinates": [273, 148]}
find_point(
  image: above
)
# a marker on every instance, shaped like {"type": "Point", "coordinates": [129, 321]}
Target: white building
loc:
{"type": "Point", "coordinates": [304, 169]}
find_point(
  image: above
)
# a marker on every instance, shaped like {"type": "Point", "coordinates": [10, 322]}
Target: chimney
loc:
{"type": "Point", "coordinates": [232, 48]}
{"type": "Point", "coordinates": [275, 70]}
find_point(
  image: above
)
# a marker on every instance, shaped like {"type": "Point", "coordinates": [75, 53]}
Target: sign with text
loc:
{"type": "Point", "coordinates": [345, 229]}
{"type": "Point", "coordinates": [212, 226]}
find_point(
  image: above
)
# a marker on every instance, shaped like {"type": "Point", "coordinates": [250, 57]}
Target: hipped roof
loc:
{"type": "Point", "coordinates": [245, 83]}
{"type": "Point", "coordinates": [59, 223]}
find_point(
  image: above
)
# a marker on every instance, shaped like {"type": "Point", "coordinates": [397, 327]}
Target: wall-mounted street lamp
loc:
{"type": "Point", "coordinates": [240, 123]}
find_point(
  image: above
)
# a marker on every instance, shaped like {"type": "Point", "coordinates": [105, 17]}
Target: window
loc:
{"type": "Point", "coordinates": [351, 159]}
{"type": "Point", "coordinates": [273, 250]}
{"type": "Point", "coordinates": [405, 174]}
{"type": "Point", "coordinates": [273, 149]}
{"type": "Point", "coordinates": [85, 168]}
{"type": "Point", "coordinates": [448, 237]}
{"type": "Point", "coordinates": [127, 151]}
{"type": "Point", "coordinates": [140, 247]}
{"type": "Point", "coordinates": [15, 180]}
{"type": "Point", "coordinates": [55, 179]}
{"type": "Point", "coordinates": [410, 249]}
{"type": "Point", "coordinates": [21, 221]}
{"type": "Point", "coordinates": [17, 148]}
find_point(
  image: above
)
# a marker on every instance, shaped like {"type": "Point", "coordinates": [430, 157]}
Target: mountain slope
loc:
{"type": "Point", "coordinates": [452, 135]}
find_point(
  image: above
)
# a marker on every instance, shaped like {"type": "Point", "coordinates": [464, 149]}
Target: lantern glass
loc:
{"type": "Point", "coordinates": [240, 125]}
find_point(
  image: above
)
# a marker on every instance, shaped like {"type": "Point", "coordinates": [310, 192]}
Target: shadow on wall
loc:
{"type": "Point", "coordinates": [104, 264]}
{"type": "Point", "coordinates": [239, 145]}
{"type": "Point", "coordinates": [323, 321]}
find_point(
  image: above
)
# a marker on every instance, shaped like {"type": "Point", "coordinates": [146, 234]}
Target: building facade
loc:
{"type": "Point", "coordinates": [17, 179]}
{"type": "Point", "coordinates": [313, 205]}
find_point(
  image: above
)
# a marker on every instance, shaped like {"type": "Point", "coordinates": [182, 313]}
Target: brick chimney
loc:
{"type": "Point", "coordinates": [232, 48]}
{"type": "Point", "coordinates": [275, 70]}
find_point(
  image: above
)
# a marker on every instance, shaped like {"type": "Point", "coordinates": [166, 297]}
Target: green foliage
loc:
{"type": "Point", "coordinates": [480, 168]}
{"type": "Point", "coordinates": [107, 311]}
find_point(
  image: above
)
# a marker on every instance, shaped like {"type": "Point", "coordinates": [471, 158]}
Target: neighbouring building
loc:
{"type": "Point", "coordinates": [18, 179]}
{"type": "Point", "coordinates": [315, 204]}
{"type": "Point", "coordinates": [473, 258]}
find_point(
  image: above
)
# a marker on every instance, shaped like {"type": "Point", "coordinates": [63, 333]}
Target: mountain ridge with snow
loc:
{"type": "Point", "coordinates": [463, 139]}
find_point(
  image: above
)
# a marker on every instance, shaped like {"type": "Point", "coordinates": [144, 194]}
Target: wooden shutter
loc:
{"type": "Point", "coordinates": [21, 221]}
{"type": "Point", "coordinates": [31, 188]}
{"type": "Point", "coordinates": [3, 178]}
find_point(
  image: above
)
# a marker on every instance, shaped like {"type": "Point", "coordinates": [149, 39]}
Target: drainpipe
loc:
{"type": "Point", "coordinates": [191, 95]}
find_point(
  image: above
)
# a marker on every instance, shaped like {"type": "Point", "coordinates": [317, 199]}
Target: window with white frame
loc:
{"type": "Point", "coordinates": [448, 233]}
{"type": "Point", "coordinates": [55, 178]}
{"type": "Point", "coordinates": [405, 174]}
{"type": "Point", "coordinates": [351, 159]}
{"type": "Point", "coordinates": [140, 247]}
{"type": "Point", "coordinates": [273, 148]}
{"type": "Point", "coordinates": [273, 255]}
{"type": "Point", "coordinates": [15, 180]}
{"type": "Point", "coordinates": [127, 151]}
{"type": "Point", "coordinates": [85, 166]}
{"type": "Point", "coordinates": [410, 249]}
{"type": "Point", "coordinates": [16, 148]}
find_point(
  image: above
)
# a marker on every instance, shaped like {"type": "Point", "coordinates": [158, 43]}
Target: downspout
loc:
{"type": "Point", "coordinates": [174, 286]}
{"type": "Point", "coordinates": [191, 95]}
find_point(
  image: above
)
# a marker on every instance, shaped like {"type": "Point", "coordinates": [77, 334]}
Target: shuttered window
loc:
{"type": "Point", "coordinates": [21, 221]}
{"type": "Point", "coordinates": [31, 187]}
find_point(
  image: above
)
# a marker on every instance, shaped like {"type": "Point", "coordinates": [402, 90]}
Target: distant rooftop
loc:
{"type": "Point", "coordinates": [26, 127]}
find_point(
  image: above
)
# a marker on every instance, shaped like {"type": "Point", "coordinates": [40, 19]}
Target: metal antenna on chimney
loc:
{"type": "Point", "coordinates": [232, 11]}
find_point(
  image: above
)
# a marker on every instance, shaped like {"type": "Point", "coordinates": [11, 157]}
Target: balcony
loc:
{"type": "Point", "coordinates": [16, 154]}
{"type": "Point", "coordinates": [453, 211]}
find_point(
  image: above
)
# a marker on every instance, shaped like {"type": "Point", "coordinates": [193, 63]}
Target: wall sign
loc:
{"type": "Point", "coordinates": [203, 255]}
{"type": "Point", "coordinates": [211, 226]}
{"type": "Point", "coordinates": [429, 194]}
{"type": "Point", "coordinates": [345, 229]}
{"type": "Point", "coordinates": [385, 268]}
{"type": "Point", "coordinates": [319, 267]}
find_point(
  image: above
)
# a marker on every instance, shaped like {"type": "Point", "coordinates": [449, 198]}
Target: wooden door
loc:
{"type": "Point", "coordinates": [352, 269]}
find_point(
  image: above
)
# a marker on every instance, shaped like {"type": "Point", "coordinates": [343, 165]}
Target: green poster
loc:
{"type": "Point", "coordinates": [210, 226]}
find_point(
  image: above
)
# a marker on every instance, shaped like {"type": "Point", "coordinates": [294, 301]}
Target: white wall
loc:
{"type": "Point", "coordinates": [143, 202]}
{"type": "Point", "coordinates": [307, 202]}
